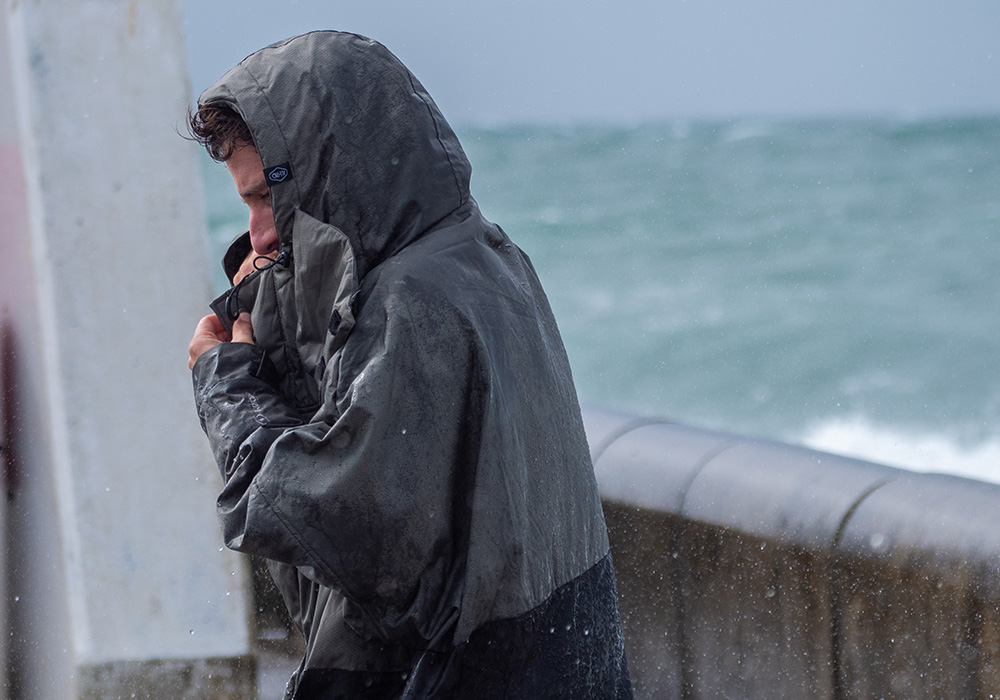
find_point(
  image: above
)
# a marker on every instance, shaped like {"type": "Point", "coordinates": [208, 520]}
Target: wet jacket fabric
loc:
{"type": "Point", "coordinates": [403, 442]}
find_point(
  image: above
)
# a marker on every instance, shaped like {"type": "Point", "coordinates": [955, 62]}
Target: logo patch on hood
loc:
{"type": "Point", "coordinates": [278, 174]}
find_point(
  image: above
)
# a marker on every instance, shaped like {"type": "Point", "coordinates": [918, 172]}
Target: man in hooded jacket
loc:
{"type": "Point", "coordinates": [395, 419]}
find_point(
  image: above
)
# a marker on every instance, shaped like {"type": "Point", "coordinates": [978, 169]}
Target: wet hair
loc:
{"type": "Point", "coordinates": [219, 128]}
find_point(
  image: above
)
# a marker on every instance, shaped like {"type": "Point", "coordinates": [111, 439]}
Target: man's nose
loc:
{"type": "Point", "coordinates": [263, 235]}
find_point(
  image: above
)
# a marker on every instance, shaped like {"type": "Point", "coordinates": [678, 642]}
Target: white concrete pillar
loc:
{"type": "Point", "coordinates": [12, 227]}
{"type": "Point", "coordinates": [119, 585]}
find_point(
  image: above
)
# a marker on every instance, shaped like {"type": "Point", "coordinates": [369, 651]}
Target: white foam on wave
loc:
{"type": "Point", "coordinates": [857, 437]}
{"type": "Point", "coordinates": [742, 131]}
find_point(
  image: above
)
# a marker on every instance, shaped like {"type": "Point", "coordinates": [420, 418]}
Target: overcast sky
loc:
{"type": "Point", "coordinates": [637, 60]}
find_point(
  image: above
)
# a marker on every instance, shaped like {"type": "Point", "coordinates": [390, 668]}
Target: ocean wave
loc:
{"type": "Point", "coordinates": [927, 452]}
{"type": "Point", "coordinates": [742, 131]}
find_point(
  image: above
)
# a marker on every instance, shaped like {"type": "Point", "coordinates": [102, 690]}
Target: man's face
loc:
{"type": "Point", "coordinates": [248, 174]}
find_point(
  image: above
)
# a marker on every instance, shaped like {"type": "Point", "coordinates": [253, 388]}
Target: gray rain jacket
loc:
{"type": "Point", "coordinates": [403, 443]}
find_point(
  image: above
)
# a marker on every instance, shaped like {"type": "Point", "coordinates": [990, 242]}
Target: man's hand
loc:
{"type": "Point", "coordinates": [210, 332]}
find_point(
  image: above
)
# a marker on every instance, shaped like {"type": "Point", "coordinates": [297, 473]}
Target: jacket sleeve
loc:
{"type": "Point", "coordinates": [364, 503]}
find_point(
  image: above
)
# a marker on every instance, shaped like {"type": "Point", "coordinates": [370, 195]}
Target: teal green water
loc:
{"type": "Point", "coordinates": [827, 282]}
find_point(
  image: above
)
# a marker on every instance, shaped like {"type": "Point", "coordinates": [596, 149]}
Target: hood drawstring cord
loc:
{"type": "Point", "coordinates": [233, 299]}
{"type": "Point", "coordinates": [280, 259]}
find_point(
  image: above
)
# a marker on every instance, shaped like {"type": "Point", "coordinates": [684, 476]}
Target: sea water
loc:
{"type": "Point", "coordinates": [828, 283]}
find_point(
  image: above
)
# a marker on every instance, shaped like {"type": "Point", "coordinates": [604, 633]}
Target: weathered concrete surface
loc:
{"type": "Point", "coordinates": [750, 569]}
{"type": "Point", "coordinates": [114, 552]}
{"type": "Point", "coordinates": [219, 679]}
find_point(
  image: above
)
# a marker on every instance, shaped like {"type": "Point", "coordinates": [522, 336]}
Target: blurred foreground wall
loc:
{"type": "Point", "coordinates": [755, 570]}
{"type": "Point", "coordinates": [114, 582]}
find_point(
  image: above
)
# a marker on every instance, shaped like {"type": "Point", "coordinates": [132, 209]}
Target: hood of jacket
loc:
{"type": "Point", "coordinates": [350, 137]}
{"type": "Point", "coordinates": [360, 164]}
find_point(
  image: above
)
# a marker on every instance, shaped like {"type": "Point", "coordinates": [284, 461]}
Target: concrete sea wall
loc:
{"type": "Point", "coordinates": [750, 569]}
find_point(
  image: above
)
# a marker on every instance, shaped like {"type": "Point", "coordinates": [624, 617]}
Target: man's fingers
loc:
{"type": "Point", "coordinates": [212, 325]}
{"type": "Point", "coordinates": [243, 329]}
{"type": "Point", "coordinates": [208, 333]}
